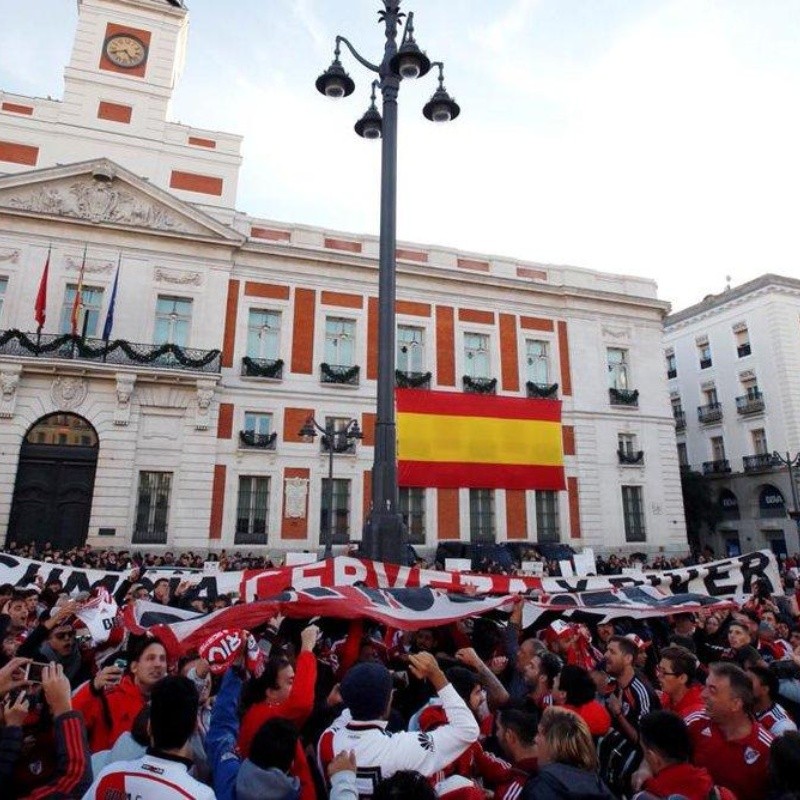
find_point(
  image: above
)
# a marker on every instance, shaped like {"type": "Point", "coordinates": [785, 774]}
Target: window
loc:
{"type": "Point", "coordinates": [410, 349]}
{"type": "Point", "coordinates": [476, 355]}
{"type": "Point", "coordinates": [342, 443]}
{"type": "Point", "coordinates": [173, 320]}
{"type": "Point", "coordinates": [260, 424]}
{"type": "Point", "coordinates": [263, 334]}
{"type": "Point", "coordinates": [683, 458]}
{"type": "Point", "coordinates": [481, 515]}
{"type": "Point", "coordinates": [412, 507]}
{"type": "Point", "coordinates": [717, 448]}
{"type": "Point", "coordinates": [626, 443]}
{"type": "Point", "coordinates": [704, 352]}
{"type": "Point", "coordinates": [341, 511]}
{"type": "Point", "coordinates": [759, 437]}
{"type": "Point", "coordinates": [710, 396]}
{"type": "Point", "coordinates": [750, 387]}
{"type": "Point", "coordinates": [88, 316]}
{"type": "Point", "coordinates": [537, 362]}
{"type": "Point", "coordinates": [742, 336]}
{"type": "Point", "coordinates": [3, 287]}
{"type": "Point", "coordinates": [633, 512]}
{"type": "Point", "coordinates": [252, 510]}
{"type": "Point", "coordinates": [547, 526]}
{"type": "Point", "coordinates": [340, 341]}
{"type": "Point", "coordinates": [672, 366]}
{"type": "Point", "coordinates": [677, 407]}
{"type": "Point", "coordinates": [617, 360]}
{"type": "Point", "coordinates": [152, 507]}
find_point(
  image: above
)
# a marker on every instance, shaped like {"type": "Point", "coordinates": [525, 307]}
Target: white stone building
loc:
{"type": "Point", "coordinates": [198, 445]}
{"type": "Point", "coordinates": [733, 365]}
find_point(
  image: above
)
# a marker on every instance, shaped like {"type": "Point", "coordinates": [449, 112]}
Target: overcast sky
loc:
{"type": "Point", "coordinates": [650, 137]}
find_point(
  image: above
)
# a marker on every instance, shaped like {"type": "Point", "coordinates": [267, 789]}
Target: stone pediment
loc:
{"type": "Point", "coordinates": [123, 201]}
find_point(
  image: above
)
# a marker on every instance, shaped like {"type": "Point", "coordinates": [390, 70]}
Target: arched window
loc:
{"type": "Point", "coordinates": [729, 505]}
{"type": "Point", "coordinates": [771, 504]}
{"type": "Point", "coordinates": [62, 429]}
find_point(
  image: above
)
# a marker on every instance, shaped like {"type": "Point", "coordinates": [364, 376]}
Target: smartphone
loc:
{"type": "Point", "coordinates": [34, 672]}
{"type": "Point", "coordinates": [121, 663]}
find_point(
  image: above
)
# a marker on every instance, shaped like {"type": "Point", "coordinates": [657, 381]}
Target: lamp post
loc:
{"type": "Point", "coordinates": [384, 532]}
{"type": "Point", "coordinates": [790, 462]}
{"type": "Point", "coordinates": [337, 440]}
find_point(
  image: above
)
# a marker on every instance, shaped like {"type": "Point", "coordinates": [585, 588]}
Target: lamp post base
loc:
{"type": "Point", "coordinates": [384, 538]}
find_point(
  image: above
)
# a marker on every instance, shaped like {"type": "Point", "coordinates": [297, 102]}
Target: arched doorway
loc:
{"type": "Point", "coordinates": [55, 481]}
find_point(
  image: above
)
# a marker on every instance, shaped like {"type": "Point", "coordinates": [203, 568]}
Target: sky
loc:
{"type": "Point", "coordinates": [657, 138]}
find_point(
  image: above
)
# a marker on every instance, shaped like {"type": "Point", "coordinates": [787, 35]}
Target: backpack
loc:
{"type": "Point", "coordinates": [619, 759]}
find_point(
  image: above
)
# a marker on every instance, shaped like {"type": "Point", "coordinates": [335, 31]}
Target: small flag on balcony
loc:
{"type": "Point", "coordinates": [77, 303]}
{"type": "Point", "coordinates": [40, 308]}
{"type": "Point", "coordinates": [452, 440]}
{"type": "Point", "coordinates": [111, 304]}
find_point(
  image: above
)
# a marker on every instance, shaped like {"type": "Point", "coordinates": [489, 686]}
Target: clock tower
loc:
{"type": "Point", "coordinates": [126, 60]}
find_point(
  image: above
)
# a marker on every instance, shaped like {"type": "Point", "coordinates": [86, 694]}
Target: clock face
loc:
{"type": "Point", "coordinates": [125, 51]}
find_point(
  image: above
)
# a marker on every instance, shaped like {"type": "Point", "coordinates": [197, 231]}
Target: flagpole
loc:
{"type": "Point", "coordinates": [77, 303]}
{"type": "Point", "coordinates": [40, 309]}
{"type": "Point", "coordinates": [109, 323]}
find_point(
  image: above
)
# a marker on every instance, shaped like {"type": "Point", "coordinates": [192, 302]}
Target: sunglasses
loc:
{"type": "Point", "coordinates": [64, 635]}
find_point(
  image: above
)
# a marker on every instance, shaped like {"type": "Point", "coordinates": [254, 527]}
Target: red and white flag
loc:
{"type": "Point", "coordinates": [40, 308]}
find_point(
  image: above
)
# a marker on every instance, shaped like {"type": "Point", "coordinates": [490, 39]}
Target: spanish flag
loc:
{"type": "Point", "coordinates": [451, 440]}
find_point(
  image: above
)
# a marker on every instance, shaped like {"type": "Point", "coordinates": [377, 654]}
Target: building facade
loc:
{"type": "Point", "coordinates": [733, 365]}
{"type": "Point", "coordinates": [181, 426]}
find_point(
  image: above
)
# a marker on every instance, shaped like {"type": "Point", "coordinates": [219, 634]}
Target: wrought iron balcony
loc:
{"type": "Point", "coordinates": [412, 380]}
{"type": "Point", "coordinates": [672, 373]}
{"type": "Point", "coordinates": [750, 403]}
{"type": "Point", "coordinates": [544, 391]}
{"type": "Point", "coordinates": [743, 350]}
{"type": "Point", "coordinates": [624, 397]}
{"type": "Point", "coordinates": [252, 537]}
{"type": "Point", "coordinates": [479, 385]}
{"type": "Point", "coordinates": [118, 352]}
{"type": "Point", "coordinates": [760, 462]}
{"type": "Point", "coordinates": [631, 458]}
{"type": "Point", "coordinates": [719, 467]}
{"type": "Point", "coordinates": [338, 373]}
{"type": "Point", "coordinates": [709, 413]}
{"type": "Point", "coordinates": [263, 441]}
{"type": "Point", "coordinates": [680, 420]}
{"type": "Point", "coordinates": [149, 536]}
{"type": "Point", "coordinates": [262, 368]}
{"type": "Point", "coordinates": [705, 363]}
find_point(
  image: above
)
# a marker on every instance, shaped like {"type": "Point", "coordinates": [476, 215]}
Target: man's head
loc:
{"type": "Point", "coordinates": [527, 650]}
{"type": "Point", "coordinates": [620, 656]}
{"type": "Point", "coordinates": [173, 712]}
{"type": "Point", "coordinates": [738, 635]}
{"type": "Point", "coordinates": [425, 640]}
{"type": "Point", "coordinates": [794, 637]}
{"type": "Point", "coordinates": [541, 671]}
{"type": "Point", "coordinates": [728, 693]}
{"type": "Point", "coordinates": [277, 679]}
{"type": "Point", "coordinates": [367, 691]}
{"type": "Point", "coordinates": [468, 685]}
{"type": "Point", "coordinates": [564, 738]}
{"type": "Point", "coordinates": [62, 640]}
{"type": "Point", "coordinates": [274, 745]}
{"type": "Point", "coordinates": [149, 664]}
{"type": "Point", "coordinates": [18, 611]}
{"type": "Point", "coordinates": [684, 624]}
{"type": "Point", "coordinates": [161, 590]}
{"type": "Point", "coordinates": [665, 740]}
{"type": "Point", "coordinates": [574, 686]}
{"type": "Point", "coordinates": [516, 732]}
{"type": "Point", "coordinates": [676, 669]}
{"type": "Point", "coordinates": [765, 684]}
{"type": "Point", "coordinates": [605, 630]}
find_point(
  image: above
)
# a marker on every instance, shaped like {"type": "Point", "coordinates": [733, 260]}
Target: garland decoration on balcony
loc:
{"type": "Point", "coordinates": [253, 439]}
{"type": "Point", "coordinates": [624, 397]}
{"type": "Point", "coordinates": [542, 390]}
{"type": "Point", "coordinates": [85, 350]}
{"type": "Point", "coordinates": [335, 374]}
{"type": "Point", "coordinates": [480, 385]}
{"type": "Point", "coordinates": [630, 458]}
{"type": "Point", "coordinates": [271, 369]}
{"type": "Point", "coordinates": [405, 380]}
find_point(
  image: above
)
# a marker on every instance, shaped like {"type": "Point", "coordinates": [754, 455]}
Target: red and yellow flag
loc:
{"type": "Point", "coordinates": [452, 440]}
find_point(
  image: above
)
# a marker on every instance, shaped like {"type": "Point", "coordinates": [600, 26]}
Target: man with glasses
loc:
{"type": "Point", "coordinates": [676, 674]}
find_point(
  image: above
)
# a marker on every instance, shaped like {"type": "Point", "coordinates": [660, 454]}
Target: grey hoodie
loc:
{"type": "Point", "coordinates": [254, 783]}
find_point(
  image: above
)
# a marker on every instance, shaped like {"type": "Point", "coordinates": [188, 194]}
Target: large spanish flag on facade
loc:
{"type": "Point", "coordinates": [450, 440]}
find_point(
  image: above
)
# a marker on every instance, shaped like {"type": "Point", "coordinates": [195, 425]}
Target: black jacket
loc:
{"type": "Point", "coordinates": [564, 782]}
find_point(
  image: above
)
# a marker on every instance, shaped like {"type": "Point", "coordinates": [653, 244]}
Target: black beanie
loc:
{"type": "Point", "coordinates": [366, 690]}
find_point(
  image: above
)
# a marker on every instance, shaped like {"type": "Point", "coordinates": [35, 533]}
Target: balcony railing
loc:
{"type": "Point", "coordinates": [244, 537]}
{"type": "Point", "coordinates": [680, 420]}
{"type": "Point", "coordinates": [544, 391]}
{"type": "Point", "coordinates": [479, 385]}
{"type": "Point", "coordinates": [262, 368]}
{"type": "Point", "coordinates": [118, 352]}
{"type": "Point", "coordinates": [624, 397]}
{"type": "Point", "coordinates": [750, 403]}
{"type": "Point", "coordinates": [743, 350]}
{"type": "Point", "coordinates": [709, 413]}
{"type": "Point", "coordinates": [760, 462]}
{"type": "Point", "coordinates": [149, 537]}
{"type": "Point", "coordinates": [625, 457]}
{"type": "Point", "coordinates": [705, 363]}
{"type": "Point", "coordinates": [263, 441]}
{"type": "Point", "coordinates": [412, 380]}
{"type": "Point", "coordinates": [337, 373]}
{"type": "Point", "coordinates": [719, 467]}
{"type": "Point", "coordinates": [672, 373]}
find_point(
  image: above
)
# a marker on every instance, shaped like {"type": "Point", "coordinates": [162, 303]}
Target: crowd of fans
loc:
{"type": "Point", "coordinates": [696, 706]}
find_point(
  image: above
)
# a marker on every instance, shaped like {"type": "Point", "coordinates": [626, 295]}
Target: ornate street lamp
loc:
{"type": "Point", "coordinates": [335, 440]}
{"type": "Point", "coordinates": [791, 463]}
{"type": "Point", "coordinates": [384, 532]}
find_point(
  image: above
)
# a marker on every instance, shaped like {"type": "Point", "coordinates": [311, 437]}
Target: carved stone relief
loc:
{"type": "Point", "coordinates": [124, 388]}
{"type": "Point", "coordinates": [205, 394]}
{"type": "Point", "coordinates": [69, 392]}
{"type": "Point", "coordinates": [92, 265]}
{"type": "Point", "coordinates": [295, 494]}
{"type": "Point", "coordinates": [172, 276]}
{"type": "Point", "coordinates": [9, 254]}
{"type": "Point", "coordinates": [9, 381]}
{"type": "Point", "coordinates": [616, 333]}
